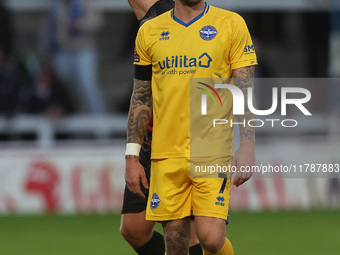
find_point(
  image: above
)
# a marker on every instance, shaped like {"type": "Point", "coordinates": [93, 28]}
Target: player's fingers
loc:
{"type": "Point", "coordinates": [245, 177]}
{"type": "Point", "coordinates": [237, 179]}
{"type": "Point", "coordinates": [241, 181]}
{"type": "Point", "coordinates": [241, 178]}
{"type": "Point", "coordinates": [249, 175]}
{"type": "Point", "coordinates": [134, 187]}
{"type": "Point", "coordinates": [238, 174]}
{"type": "Point", "coordinates": [140, 193]}
{"type": "Point", "coordinates": [233, 161]}
{"type": "Point", "coordinates": [129, 185]}
{"type": "Point", "coordinates": [137, 190]}
{"type": "Point", "coordinates": [144, 181]}
{"type": "Point", "coordinates": [233, 166]}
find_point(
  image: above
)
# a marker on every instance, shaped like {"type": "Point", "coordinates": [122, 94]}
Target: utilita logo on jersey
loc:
{"type": "Point", "coordinates": [187, 65]}
{"type": "Point", "coordinates": [239, 105]}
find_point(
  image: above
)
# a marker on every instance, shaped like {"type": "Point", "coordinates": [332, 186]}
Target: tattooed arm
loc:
{"type": "Point", "coordinates": [141, 7]}
{"type": "Point", "coordinates": [138, 121]}
{"type": "Point", "coordinates": [140, 111]}
{"type": "Point", "coordinates": [245, 155]}
{"type": "Point", "coordinates": [244, 79]}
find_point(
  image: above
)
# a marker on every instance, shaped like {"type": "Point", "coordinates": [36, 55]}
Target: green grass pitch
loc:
{"type": "Point", "coordinates": [269, 233]}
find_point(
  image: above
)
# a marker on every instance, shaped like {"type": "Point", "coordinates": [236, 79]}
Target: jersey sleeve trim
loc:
{"type": "Point", "coordinates": [248, 62]}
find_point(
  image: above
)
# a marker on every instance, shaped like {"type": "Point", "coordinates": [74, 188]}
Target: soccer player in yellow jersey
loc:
{"type": "Point", "coordinates": [194, 40]}
{"type": "Point", "coordinates": [135, 229]}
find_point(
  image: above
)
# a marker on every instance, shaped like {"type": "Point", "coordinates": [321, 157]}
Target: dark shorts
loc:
{"type": "Point", "coordinates": [133, 203]}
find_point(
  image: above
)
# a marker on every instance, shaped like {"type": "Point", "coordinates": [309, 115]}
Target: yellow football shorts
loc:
{"type": "Point", "coordinates": [175, 192]}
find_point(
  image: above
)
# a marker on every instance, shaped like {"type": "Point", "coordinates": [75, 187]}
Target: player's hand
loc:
{"type": "Point", "coordinates": [134, 175]}
{"type": "Point", "coordinates": [244, 156]}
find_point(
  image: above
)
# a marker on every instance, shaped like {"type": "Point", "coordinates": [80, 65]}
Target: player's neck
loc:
{"type": "Point", "coordinates": [188, 13]}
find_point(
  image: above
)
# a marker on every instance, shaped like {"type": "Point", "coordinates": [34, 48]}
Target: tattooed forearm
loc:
{"type": "Point", "coordinates": [140, 111]}
{"type": "Point", "coordinates": [244, 79]}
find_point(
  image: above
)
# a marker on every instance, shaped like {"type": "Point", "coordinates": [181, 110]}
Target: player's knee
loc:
{"type": "Point", "coordinates": [212, 241]}
{"type": "Point", "coordinates": [212, 245]}
{"type": "Point", "coordinates": [128, 232]}
{"type": "Point", "coordinates": [124, 231]}
{"type": "Point", "coordinates": [136, 234]}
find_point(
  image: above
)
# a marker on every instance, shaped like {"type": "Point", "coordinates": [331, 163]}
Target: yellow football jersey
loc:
{"type": "Point", "coordinates": [210, 46]}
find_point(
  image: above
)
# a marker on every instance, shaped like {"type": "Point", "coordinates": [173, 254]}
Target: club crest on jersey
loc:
{"type": "Point", "coordinates": [165, 36]}
{"type": "Point", "coordinates": [208, 33]}
{"type": "Point", "coordinates": [154, 201]}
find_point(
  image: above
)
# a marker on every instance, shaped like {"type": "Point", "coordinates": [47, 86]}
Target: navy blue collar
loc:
{"type": "Point", "coordinates": [205, 11]}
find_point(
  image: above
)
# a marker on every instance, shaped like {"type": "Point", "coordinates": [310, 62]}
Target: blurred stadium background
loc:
{"type": "Point", "coordinates": [62, 171]}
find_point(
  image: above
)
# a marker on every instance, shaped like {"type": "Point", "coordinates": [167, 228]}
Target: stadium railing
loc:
{"type": "Point", "coordinates": [44, 131]}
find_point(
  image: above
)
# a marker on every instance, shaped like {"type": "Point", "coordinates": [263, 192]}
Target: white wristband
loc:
{"type": "Point", "coordinates": [133, 149]}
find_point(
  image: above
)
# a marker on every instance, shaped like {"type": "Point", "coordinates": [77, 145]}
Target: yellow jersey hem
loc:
{"type": "Point", "coordinates": [142, 64]}
{"type": "Point", "coordinates": [210, 214]}
{"type": "Point", "coordinates": [166, 217]}
{"type": "Point", "coordinates": [188, 155]}
{"type": "Point", "coordinates": [170, 155]}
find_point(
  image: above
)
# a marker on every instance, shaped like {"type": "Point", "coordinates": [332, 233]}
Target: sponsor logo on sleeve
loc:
{"type": "Point", "coordinates": [136, 56]}
{"type": "Point", "coordinates": [249, 49]}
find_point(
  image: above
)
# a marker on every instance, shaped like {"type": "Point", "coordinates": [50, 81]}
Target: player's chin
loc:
{"type": "Point", "coordinates": [190, 3]}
